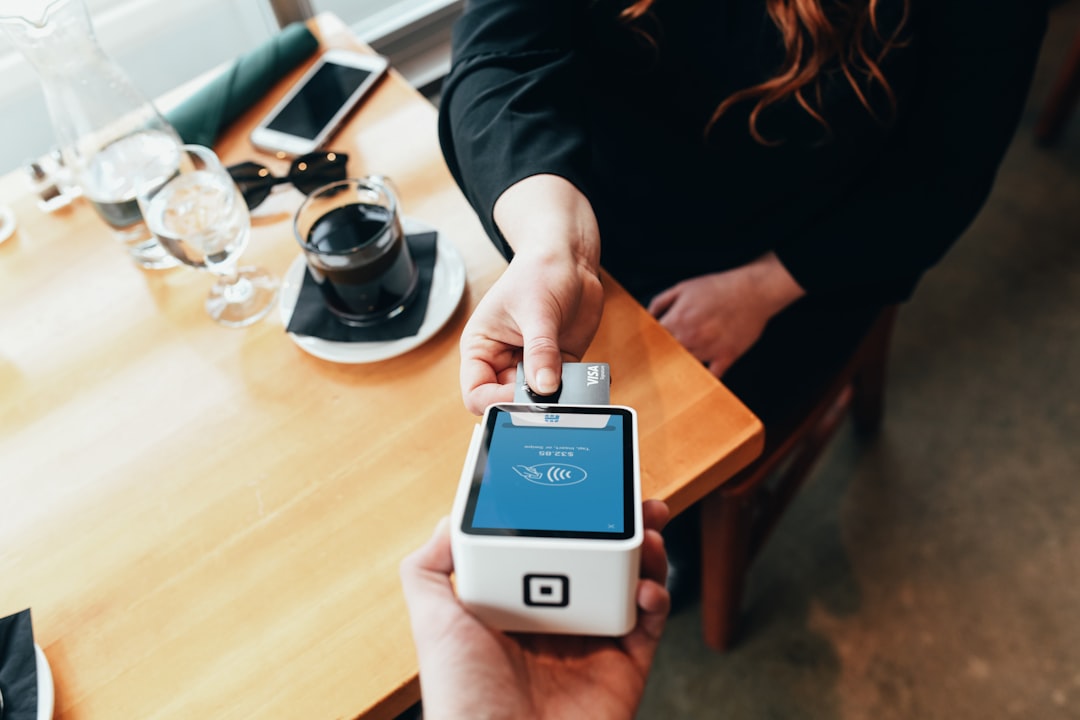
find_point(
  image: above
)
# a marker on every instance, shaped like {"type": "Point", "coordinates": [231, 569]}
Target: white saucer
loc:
{"type": "Point", "coordinates": [447, 288]}
{"type": "Point", "coordinates": [7, 222]}
{"type": "Point", "coordinates": [44, 685]}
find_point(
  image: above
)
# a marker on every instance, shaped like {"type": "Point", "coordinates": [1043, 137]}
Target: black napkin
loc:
{"type": "Point", "coordinates": [312, 317]}
{"type": "Point", "coordinates": [18, 667]}
{"type": "Point", "coordinates": [204, 115]}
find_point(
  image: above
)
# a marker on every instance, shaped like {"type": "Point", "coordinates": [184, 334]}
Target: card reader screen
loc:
{"type": "Point", "coordinates": [318, 100]}
{"type": "Point", "coordinates": [554, 473]}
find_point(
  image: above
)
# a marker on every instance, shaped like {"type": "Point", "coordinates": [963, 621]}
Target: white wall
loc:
{"type": "Point", "coordinates": [160, 43]}
{"type": "Point", "coordinates": [164, 43]}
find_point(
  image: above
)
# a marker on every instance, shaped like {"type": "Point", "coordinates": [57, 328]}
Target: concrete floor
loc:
{"type": "Point", "coordinates": [935, 573]}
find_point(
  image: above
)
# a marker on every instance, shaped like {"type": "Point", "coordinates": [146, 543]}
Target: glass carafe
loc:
{"type": "Point", "coordinates": [106, 130]}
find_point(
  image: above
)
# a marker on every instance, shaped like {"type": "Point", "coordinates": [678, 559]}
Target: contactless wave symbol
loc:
{"type": "Point", "coordinates": [552, 474]}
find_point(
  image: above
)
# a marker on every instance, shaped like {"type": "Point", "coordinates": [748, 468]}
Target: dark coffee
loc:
{"type": "Point", "coordinates": [358, 257]}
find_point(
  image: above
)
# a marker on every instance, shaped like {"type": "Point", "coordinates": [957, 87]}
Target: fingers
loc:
{"type": "Point", "coordinates": [654, 603]}
{"type": "Point", "coordinates": [478, 398]}
{"type": "Point", "coordinates": [722, 362]}
{"type": "Point", "coordinates": [654, 564]}
{"type": "Point", "coordinates": [662, 302]}
{"type": "Point", "coordinates": [653, 599]}
{"type": "Point", "coordinates": [655, 514]}
{"type": "Point", "coordinates": [487, 371]}
{"type": "Point", "coordinates": [717, 369]}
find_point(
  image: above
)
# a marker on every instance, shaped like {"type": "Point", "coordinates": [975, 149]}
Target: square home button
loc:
{"type": "Point", "coordinates": [547, 590]}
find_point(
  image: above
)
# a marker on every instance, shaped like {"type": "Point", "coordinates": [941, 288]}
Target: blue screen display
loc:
{"type": "Point", "coordinates": [554, 478]}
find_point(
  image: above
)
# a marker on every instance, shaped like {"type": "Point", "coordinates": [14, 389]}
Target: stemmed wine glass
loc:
{"type": "Point", "coordinates": [201, 219]}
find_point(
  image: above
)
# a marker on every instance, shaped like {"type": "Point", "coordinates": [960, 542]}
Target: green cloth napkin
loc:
{"type": "Point", "coordinates": [18, 667]}
{"type": "Point", "coordinates": [202, 117]}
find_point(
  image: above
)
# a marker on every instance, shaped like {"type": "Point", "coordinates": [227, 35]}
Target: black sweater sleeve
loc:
{"type": "Point", "coordinates": [509, 106]}
{"type": "Point", "coordinates": [513, 106]}
{"type": "Point", "coordinates": [902, 216]}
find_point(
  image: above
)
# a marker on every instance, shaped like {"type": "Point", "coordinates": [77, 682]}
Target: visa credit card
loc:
{"type": "Point", "coordinates": [586, 383]}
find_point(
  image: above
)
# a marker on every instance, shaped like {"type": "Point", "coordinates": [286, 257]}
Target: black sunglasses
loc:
{"type": "Point", "coordinates": [307, 174]}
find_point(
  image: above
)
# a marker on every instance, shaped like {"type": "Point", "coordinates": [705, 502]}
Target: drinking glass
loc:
{"type": "Point", "coordinates": [201, 219]}
{"type": "Point", "coordinates": [356, 251]}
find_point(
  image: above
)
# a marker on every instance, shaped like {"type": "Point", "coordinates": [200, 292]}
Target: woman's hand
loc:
{"type": "Point", "coordinates": [546, 306]}
{"type": "Point", "coordinates": [718, 317]}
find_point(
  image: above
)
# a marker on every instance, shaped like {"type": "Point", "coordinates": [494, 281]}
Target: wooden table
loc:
{"type": "Point", "coordinates": [207, 522]}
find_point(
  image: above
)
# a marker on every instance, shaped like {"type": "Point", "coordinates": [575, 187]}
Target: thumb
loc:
{"type": "Point", "coordinates": [425, 573]}
{"type": "Point", "coordinates": [541, 355]}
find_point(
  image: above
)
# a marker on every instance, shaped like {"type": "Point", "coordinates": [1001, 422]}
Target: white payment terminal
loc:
{"type": "Point", "coordinates": [546, 529]}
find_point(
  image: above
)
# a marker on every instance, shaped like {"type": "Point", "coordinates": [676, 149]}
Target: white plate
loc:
{"type": "Point", "coordinates": [447, 288]}
{"type": "Point", "coordinates": [44, 685]}
{"type": "Point", "coordinates": [7, 222]}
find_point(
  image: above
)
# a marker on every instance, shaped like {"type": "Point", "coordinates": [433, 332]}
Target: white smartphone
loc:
{"type": "Point", "coordinates": [546, 532]}
{"type": "Point", "coordinates": [311, 111]}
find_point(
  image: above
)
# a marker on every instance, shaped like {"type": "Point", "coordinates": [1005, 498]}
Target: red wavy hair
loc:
{"type": "Point", "coordinates": [812, 41]}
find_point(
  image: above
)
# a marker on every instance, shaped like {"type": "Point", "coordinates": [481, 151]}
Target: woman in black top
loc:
{"type": "Point", "coordinates": [764, 174]}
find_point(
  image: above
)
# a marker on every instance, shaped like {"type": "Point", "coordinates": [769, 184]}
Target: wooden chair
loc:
{"type": "Point", "coordinates": [737, 517]}
{"type": "Point", "coordinates": [1062, 100]}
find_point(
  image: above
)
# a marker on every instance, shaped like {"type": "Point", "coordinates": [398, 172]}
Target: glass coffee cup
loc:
{"type": "Point", "coordinates": [356, 251]}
